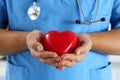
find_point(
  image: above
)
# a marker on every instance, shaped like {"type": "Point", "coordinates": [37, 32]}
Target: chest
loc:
{"type": "Point", "coordinates": [59, 15]}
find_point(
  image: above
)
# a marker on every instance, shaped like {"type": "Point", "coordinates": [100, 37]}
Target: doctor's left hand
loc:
{"type": "Point", "coordinates": [69, 60]}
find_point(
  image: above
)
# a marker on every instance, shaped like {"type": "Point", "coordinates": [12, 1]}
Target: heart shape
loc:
{"type": "Point", "coordinates": [60, 42]}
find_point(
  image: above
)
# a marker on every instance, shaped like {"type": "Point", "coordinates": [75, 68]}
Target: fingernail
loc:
{"type": "Point", "coordinates": [54, 55]}
{"type": "Point", "coordinates": [65, 56]}
{"type": "Point", "coordinates": [59, 58]}
{"type": "Point", "coordinates": [79, 52]}
{"type": "Point", "coordinates": [61, 63]}
{"type": "Point", "coordinates": [38, 48]}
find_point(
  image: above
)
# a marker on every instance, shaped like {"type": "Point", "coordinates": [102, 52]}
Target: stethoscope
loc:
{"type": "Point", "coordinates": [35, 10]}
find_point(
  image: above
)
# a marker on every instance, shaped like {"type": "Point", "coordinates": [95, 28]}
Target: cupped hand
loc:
{"type": "Point", "coordinates": [69, 59]}
{"type": "Point", "coordinates": [34, 44]}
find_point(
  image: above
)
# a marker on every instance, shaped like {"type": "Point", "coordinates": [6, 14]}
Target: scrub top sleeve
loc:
{"type": "Point", "coordinates": [3, 14]}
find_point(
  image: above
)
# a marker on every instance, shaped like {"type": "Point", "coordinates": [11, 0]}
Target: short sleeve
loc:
{"type": "Point", "coordinates": [3, 14]}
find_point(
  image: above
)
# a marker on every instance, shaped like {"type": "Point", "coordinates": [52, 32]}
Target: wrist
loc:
{"type": "Point", "coordinates": [91, 37]}
{"type": "Point", "coordinates": [22, 39]}
{"type": "Point", "coordinates": [86, 38]}
{"type": "Point", "coordinates": [95, 38]}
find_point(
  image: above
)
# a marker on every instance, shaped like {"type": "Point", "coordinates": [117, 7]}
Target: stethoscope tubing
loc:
{"type": "Point", "coordinates": [35, 12]}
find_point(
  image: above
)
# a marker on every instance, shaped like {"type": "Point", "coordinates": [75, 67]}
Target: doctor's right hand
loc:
{"type": "Point", "coordinates": [34, 43]}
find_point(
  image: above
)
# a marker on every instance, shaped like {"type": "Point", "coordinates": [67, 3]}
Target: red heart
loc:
{"type": "Point", "coordinates": [60, 42]}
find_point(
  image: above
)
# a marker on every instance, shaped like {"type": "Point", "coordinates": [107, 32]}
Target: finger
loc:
{"type": "Point", "coordinates": [51, 61]}
{"type": "Point", "coordinates": [58, 58]}
{"type": "Point", "coordinates": [47, 54]}
{"type": "Point", "coordinates": [79, 50]}
{"type": "Point", "coordinates": [85, 39]}
{"type": "Point", "coordinates": [35, 53]}
{"type": "Point", "coordinates": [43, 54]}
{"type": "Point", "coordinates": [60, 67]}
{"type": "Point", "coordinates": [85, 47]}
{"type": "Point", "coordinates": [31, 42]}
{"type": "Point", "coordinates": [39, 47]}
{"type": "Point", "coordinates": [34, 38]}
{"type": "Point", "coordinates": [67, 63]}
{"type": "Point", "coordinates": [72, 57]}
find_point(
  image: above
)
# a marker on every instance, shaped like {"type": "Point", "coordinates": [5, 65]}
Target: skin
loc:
{"type": "Point", "coordinates": [12, 42]}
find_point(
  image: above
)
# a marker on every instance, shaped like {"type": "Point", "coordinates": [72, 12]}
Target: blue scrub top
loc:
{"type": "Point", "coordinates": [58, 15]}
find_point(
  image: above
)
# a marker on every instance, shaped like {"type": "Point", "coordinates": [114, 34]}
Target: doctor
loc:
{"type": "Point", "coordinates": [28, 20]}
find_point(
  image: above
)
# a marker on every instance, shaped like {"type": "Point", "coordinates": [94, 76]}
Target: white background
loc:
{"type": "Point", "coordinates": [115, 67]}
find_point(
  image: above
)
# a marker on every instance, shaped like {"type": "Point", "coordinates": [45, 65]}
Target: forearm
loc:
{"type": "Point", "coordinates": [106, 42]}
{"type": "Point", "coordinates": [12, 42]}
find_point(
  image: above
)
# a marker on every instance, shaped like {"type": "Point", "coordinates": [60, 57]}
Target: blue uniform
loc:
{"type": "Point", "coordinates": [58, 15]}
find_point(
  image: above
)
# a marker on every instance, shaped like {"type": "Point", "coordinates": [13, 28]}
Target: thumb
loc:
{"type": "Point", "coordinates": [78, 51]}
{"type": "Point", "coordinates": [39, 47]}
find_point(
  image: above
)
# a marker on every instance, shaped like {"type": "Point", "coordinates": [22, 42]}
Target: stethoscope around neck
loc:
{"type": "Point", "coordinates": [35, 10]}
